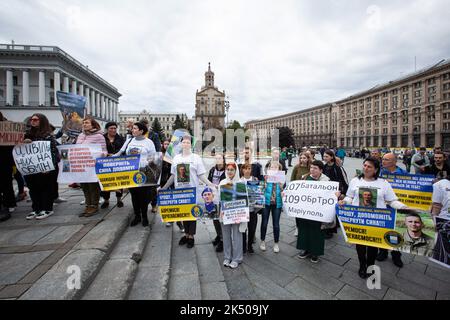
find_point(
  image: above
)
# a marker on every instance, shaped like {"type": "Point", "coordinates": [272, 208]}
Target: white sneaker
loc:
{"type": "Point", "coordinates": [262, 245]}
{"type": "Point", "coordinates": [82, 202]}
{"type": "Point", "coordinates": [31, 215]}
{"type": "Point", "coordinates": [296, 232]}
{"type": "Point", "coordinates": [181, 230]}
{"type": "Point", "coordinates": [226, 263]}
{"type": "Point", "coordinates": [101, 201]}
{"type": "Point", "coordinates": [43, 215]}
{"type": "Point", "coordinates": [276, 248]}
{"type": "Point", "coordinates": [234, 265]}
{"type": "Point", "coordinates": [11, 210]}
{"type": "Point", "coordinates": [168, 224]}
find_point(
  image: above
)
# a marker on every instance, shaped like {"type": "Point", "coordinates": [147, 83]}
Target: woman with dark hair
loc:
{"type": "Point", "coordinates": [381, 194]}
{"type": "Point", "coordinates": [335, 173]}
{"type": "Point", "coordinates": [114, 143]}
{"type": "Point", "coordinates": [91, 135]}
{"type": "Point", "coordinates": [42, 185]}
{"type": "Point", "coordinates": [143, 146]}
{"type": "Point", "coordinates": [301, 169]}
{"type": "Point", "coordinates": [6, 186]}
{"type": "Point", "coordinates": [311, 239]}
{"type": "Point", "coordinates": [216, 175]}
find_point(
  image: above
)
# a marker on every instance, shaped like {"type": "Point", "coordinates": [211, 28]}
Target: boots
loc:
{"type": "Point", "coordinates": [119, 203]}
{"type": "Point", "coordinates": [144, 219]}
{"type": "Point", "coordinates": [105, 204]}
{"type": "Point", "coordinates": [82, 214]}
{"type": "Point", "coordinates": [91, 211]}
{"type": "Point", "coordinates": [136, 220]}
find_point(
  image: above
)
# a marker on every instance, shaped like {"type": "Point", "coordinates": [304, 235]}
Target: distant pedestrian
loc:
{"type": "Point", "coordinates": [420, 161]}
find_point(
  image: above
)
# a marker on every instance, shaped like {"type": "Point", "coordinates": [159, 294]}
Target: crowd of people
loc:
{"type": "Point", "coordinates": [187, 170]}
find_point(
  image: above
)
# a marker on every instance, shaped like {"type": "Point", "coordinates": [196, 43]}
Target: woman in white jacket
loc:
{"type": "Point", "coordinates": [232, 233]}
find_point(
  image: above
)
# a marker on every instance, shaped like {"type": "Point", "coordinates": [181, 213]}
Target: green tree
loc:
{"type": "Point", "coordinates": [156, 127]}
{"type": "Point", "coordinates": [179, 124]}
{"type": "Point", "coordinates": [286, 137]}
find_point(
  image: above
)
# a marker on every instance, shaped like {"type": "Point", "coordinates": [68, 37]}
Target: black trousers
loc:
{"type": "Point", "coordinates": [107, 194]}
{"type": "Point", "coordinates": [140, 200]}
{"type": "Point", "coordinates": [251, 230]}
{"type": "Point", "coordinates": [7, 198]}
{"type": "Point", "coordinates": [218, 228]}
{"type": "Point", "coordinates": [366, 255]}
{"type": "Point", "coordinates": [394, 253]}
{"type": "Point", "coordinates": [153, 196]}
{"type": "Point", "coordinates": [42, 190]}
{"type": "Point", "coordinates": [20, 181]}
{"type": "Point", "coordinates": [190, 227]}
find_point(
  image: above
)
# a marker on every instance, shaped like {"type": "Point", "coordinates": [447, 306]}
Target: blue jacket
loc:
{"type": "Point", "coordinates": [398, 170]}
{"type": "Point", "coordinates": [268, 194]}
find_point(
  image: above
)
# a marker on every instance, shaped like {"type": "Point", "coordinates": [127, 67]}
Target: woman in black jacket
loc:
{"type": "Point", "coordinates": [217, 174]}
{"type": "Point", "coordinates": [114, 143]}
{"type": "Point", "coordinates": [7, 198]}
{"type": "Point", "coordinates": [335, 173]}
{"type": "Point", "coordinates": [41, 185]}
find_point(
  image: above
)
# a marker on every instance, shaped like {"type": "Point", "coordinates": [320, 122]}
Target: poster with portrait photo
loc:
{"type": "Point", "coordinates": [441, 252]}
{"type": "Point", "coordinates": [368, 197]}
{"type": "Point", "coordinates": [208, 200]}
{"type": "Point", "coordinates": [183, 173]}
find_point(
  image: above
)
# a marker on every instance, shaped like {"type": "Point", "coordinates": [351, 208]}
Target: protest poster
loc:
{"type": "Point", "coordinates": [234, 203]}
{"type": "Point", "coordinates": [311, 200]}
{"type": "Point", "coordinates": [115, 173]}
{"type": "Point", "coordinates": [441, 252]}
{"type": "Point", "coordinates": [413, 190]}
{"type": "Point", "coordinates": [78, 163]}
{"type": "Point", "coordinates": [34, 157]}
{"type": "Point", "coordinates": [72, 108]}
{"type": "Point", "coordinates": [11, 133]}
{"type": "Point", "coordinates": [175, 144]}
{"type": "Point", "coordinates": [208, 200]}
{"type": "Point", "coordinates": [401, 230]}
{"type": "Point", "coordinates": [276, 176]}
{"type": "Point", "coordinates": [179, 205]}
{"type": "Point", "coordinates": [255, 190]}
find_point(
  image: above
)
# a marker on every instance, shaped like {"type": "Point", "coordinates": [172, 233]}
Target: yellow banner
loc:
{"type": "Point", "coordinates": [371, 236]}
{"type": "Point", "coordinates": [120, 180]}
{"type": "Point", "coordinates": [414, 199]}
{"type": "Point", "coordinates": [178, 212]}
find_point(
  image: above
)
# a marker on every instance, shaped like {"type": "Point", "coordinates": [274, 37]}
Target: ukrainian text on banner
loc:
{"type": "Point", "coordinates": [72, 108]}
{"type": "Point", "coordinates": [413, 190]}
{"type": "Point", "coordinates": [179, 205]}
{"type": "Point", "coordinates": [78, 163]}
{"type": "Point", "coordinates": [34, 157]}
{"type": "Point", "coordinates": [115, 173]}
{"type": "Point", "coordinates": [234, 203]}
{"type": "Point", "coordinates": [255, 191]}
{"type": "Point", "coordinates": [11, 133]}
{"type": "Point", "coordinates": [311, 200]}
{"type": "Point", "coordinates": [401, 230]}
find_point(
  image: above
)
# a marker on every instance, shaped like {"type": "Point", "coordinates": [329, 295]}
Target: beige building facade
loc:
{"type": "Point", "coordinates": [210, 104]}
{"type": "Point", "coordinates": [411, 111]}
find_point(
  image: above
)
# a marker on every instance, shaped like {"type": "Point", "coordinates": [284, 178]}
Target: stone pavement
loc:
{"type": "Point", "coordinates": [118, 262]}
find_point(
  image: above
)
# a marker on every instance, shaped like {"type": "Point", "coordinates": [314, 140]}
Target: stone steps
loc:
{"type": "Point", "coordinates": [88, 256]}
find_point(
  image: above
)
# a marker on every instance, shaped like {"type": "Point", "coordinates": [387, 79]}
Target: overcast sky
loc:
{"type": "Point", "coordinates": [270, 57]}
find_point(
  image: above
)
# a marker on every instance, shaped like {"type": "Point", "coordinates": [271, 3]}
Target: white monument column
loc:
{"type": "Point", "coordinates": [9, 87]}
{"type": "Point", "coordinates": [97, 105]}
{"type": "Point", "coordinates": [88, 100]}
{"type": "Point", "coordinates": [110, 109]}
{"type": "Point", "coordinates": [81, 89]}
{"type": "Point", "coordinates": [74, 86]}
{"type": "Point", "coordinates": [26, 87]}
{"type": "Point", "coordinates": [102, 106]}
{"type": "Point", "coordinates": [66, 84]}
{"type": "Point", "coordinates": [93, 106]}
{"type": "Point", "coordinates": [56, 85]}
{"type": "Point", "coordinates": [116, 111]}
{"type": "Point", "coordinates": [41, 87]}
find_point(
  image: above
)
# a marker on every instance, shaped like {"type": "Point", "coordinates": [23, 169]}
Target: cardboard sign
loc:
{"type": "Point", "coordinates": [11, 133]}
{"type": "Point", "coordinates": [32, 158]}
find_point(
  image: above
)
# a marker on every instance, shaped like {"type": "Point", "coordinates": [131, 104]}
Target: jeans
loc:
{"type": "Point", "coordinates": [276, 213]}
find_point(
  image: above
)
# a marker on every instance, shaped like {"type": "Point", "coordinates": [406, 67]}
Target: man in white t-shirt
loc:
{"type": "Point", "coordinates": [441, 198]}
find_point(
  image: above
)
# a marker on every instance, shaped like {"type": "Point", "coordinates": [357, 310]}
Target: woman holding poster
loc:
{"type": "Point", "coordinates": [143, 146]}
{"type": "Point", "coordinates": [186, 172]}
{"type": "Point", "coordinates": [91, 135]}
{"type": "Point", "coordinates": [302, 168]}
{"type": "Point", "coordinates": [311, 238]}
{"type": "Point", "coordinates": [42, 185]}
{"type": "Point", "coordinates": [370, 190]}
{"type": "Point", "coordinates": [232, 233]}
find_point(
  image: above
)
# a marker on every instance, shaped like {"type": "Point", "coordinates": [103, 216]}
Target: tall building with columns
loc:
{"type": "Point", "coordinates": [210, 104]}
{"type": "Point", "coordinates": [31, 75]}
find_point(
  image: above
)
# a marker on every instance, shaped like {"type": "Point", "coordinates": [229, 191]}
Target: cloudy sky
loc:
{"type": "Point", "coordinates": [270, 57]}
